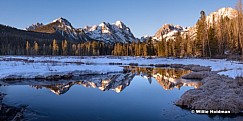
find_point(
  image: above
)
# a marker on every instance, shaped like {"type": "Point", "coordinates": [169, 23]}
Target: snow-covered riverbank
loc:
{"type": "Point", "coordinates": [30, 66]}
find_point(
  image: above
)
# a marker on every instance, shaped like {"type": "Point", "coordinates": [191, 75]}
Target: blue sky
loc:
{"type": "Point", "coordinates": [142, 16]}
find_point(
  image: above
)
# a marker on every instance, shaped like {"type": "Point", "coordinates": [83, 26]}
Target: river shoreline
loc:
{"type": "Point", "coordinates": [189, 99]}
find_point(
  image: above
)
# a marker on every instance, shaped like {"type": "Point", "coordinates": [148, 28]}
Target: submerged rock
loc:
{"type": "Point", "coordinates": [217, 93]}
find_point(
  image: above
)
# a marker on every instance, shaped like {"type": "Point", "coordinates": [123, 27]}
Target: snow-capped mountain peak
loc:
{"type": "Point", "coordinates": [223, 12]}
{"type": "Point", "coordinates": [103, 24]}
{"type": "Point", "coordinates": [119, 24]}
{"type": "Point", "coordinates": [168, 31]}
{"type": "Point", "coordinates": [64, 28]}
{"type": "Point", "coordinates": [106, 32]}
{"type": "Point", "coordinates": [110, 33]}
{"type": "Point", "coordinates": [62, 21]}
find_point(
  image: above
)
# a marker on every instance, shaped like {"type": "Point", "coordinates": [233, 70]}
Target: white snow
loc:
{"type": "Point", "coordinates": [103, 24]}
{"type": "Point", "coordinates": [61, 64]}
{"type": "Point", "coordinates": [224, 12]}
{"type": "Point", "coordinates": [119, 24]}
{"type": "Point", "coordinates": [115, 32]}
{"type": "Point", "coordinates": [169, 32]}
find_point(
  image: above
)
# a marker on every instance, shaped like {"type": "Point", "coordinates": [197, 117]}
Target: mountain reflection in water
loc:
{"type": "Point", "coordinates": [168, 78]}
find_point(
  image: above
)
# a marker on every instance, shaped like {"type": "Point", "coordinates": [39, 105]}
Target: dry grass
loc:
{"type": "Point", "coordinates": [217, 93]}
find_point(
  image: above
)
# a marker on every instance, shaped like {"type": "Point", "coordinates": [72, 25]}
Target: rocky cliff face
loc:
{"type": "Point", "coordinates": [34, 26]}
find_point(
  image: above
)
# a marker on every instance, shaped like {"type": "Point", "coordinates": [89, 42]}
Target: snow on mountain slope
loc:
{"type": "Point", "coordinates": [169, 31]}
{"type": "Point", "coordinates": [64, 22]}
{"type": "Point", "coordinates": [106, 32]}
{"type": "Point", "coordinates": [115, 32]}
{"type": "Point", "coordinates": [223, 12]}
{"type": "Point", "coordinates": [144, 38]}
{"type": "Point", "coordinates": [63, 27]}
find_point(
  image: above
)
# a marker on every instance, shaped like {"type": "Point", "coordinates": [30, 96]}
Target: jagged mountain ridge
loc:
{"type": "Point", "coordinates": [64, 28]}
{"type": "Point", "coordinates": [106, 32]}
{"type": "Point", "coordinates": [34, 26]}
{"type": "Point", "coordinates": [116, 32]}
{"type": "Point", "coordinates": [168, 31]}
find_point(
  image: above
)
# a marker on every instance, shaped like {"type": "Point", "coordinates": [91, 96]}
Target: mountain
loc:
{"type": "Point", "coordinates": [10, 33]}
{"type": "Point", "coordinates": [144, 38]}
{"type": "Point", "coordinates": [116, 32]}
{"type": "Point", "coordinates": [34, 26]}
{"type": "Point", "coordinates": [169, 30]}
{"type": "Point", "coordinates": [64, 28]}
{"type": "Point", "coordinates": [106, 32]}
{"type": "Point", "coordinates": [224, 12]}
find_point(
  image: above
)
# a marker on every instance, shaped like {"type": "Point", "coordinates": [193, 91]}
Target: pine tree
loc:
{"type": "Point", "coordinates": [55, 47]}
{"type": "Point", "coordinates": [64, 47]}
{"type": "Point", "coordinates": [213, 42]}
{"type": "Point", "coordinates": [201, 35]}
{"type": "Point", "coordinates": [178, 45]}
{"type": "Point", "coordinates": [36, 48]}
{"type": "Point", "coordinates": [27, 47]}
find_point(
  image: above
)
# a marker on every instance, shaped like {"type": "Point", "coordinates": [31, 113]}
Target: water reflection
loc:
{"type": "Point", "coordinates": [116, 82]}
{"type": "Point", "coordinates": [167, 78]}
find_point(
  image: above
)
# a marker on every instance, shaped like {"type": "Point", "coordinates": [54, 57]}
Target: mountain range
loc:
{"type": "Point", "coordinates": [62, 29]}
{"type": "Point", "coordinates": [106, 32]}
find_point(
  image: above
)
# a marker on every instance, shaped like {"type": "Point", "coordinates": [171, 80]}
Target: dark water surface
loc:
{"type": "Point", "coordinates": [145, 94]}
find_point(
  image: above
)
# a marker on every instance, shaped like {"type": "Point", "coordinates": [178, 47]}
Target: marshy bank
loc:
{"type": "Point", "coordinates": [217, 93]}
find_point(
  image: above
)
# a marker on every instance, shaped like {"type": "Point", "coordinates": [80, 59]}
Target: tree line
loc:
{"type": "Point", "coordinates": [54, 47]}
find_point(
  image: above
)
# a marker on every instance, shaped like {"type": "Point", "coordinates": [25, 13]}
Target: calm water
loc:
{"type": "Point", "coordinates": [146, 94]}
